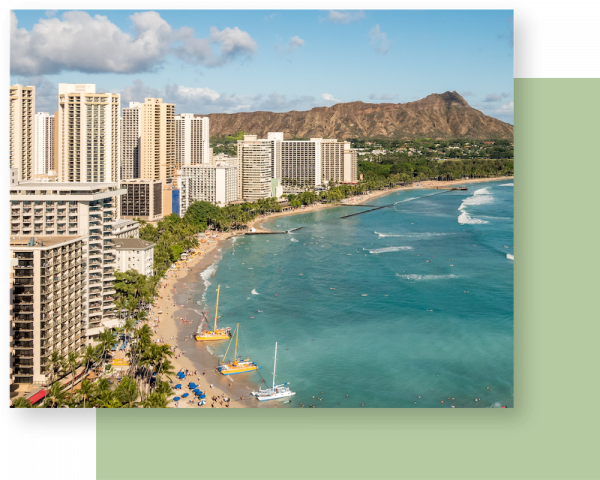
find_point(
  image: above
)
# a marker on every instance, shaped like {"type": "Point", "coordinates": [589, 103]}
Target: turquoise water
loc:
{"type": "Point", "coordinates": [417, 332]}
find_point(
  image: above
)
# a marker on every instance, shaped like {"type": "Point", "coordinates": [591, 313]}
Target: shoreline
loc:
{"type": "Point", "coordinates": [184, 283]}
{"type": "Point", "coordinates": [359, 199]}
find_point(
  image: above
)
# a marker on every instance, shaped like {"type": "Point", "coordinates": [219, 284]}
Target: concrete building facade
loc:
{"type": "Point", "coordinates": [216, 184]}
{"type": "Point", "coordinates": [49, 303]}
{"type": "Point", "coordinates": [131, 132]}
{"type": "Point", "coordinates": [259, 162]}
{"type": "Point", "coordinates": [157, 144]}
{"type": "Point", "coordinates": [192, 140]}
{"type": "Point", "coordinates": [75, 209]}
{"type": "Point", "coordinates": [135, 254]}
{"type": "Point", "coordinates": [301, 164]}
{"type": "Point", "coordinates": [143, 200]}
{"type": "Point", "coordinates": [22, 130]}
{"type": "Point", "coordinates": [126, 229]}
{"type": "Point", "coordinates": [44, 143]}
{"type": "Point", "coordinates": [339, 161]}
{"type": "Point", "coordinates": [89, 138]}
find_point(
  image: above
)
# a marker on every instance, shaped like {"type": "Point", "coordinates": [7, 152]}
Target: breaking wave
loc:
{"type": "Point", "coordinates": [293, 239]}
{"type": "Point", "coordinates": [389, 249]}
{"type": "Point", "coordinates": [427, 234]}
{"type": "Point", "coordinates": [426, 277]}
{"type": "Point", "coordinates": [480, 197]}
{"type": "Point", "coordinates": [254, 292]}
{"type": "Point", "coordinates": [507, 185]}
{"type": "Point", "coordinates": [510, 257]}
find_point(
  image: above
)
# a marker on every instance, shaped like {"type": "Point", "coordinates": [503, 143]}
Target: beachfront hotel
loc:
{"type": "Point", "coordinates": [88, 147]}
{"type": "Point", "coordinates": [339, 162]}
{"type": "Point", "coordinates": [192, 140]}
{"type": "Point", "coordinates": [49, 304]}
{"type": "Point", "coordinates": [131, 132]}
{"type": "Point", "coordinates": [217, 184]}
{"type": "Point", "coordinates": [22, 130]}
{"type": "Point", "coordinates": [301, 164]}
{"type": "Point", "coordinates": [135, 254]}
{"type": "Point", "coordinates": [44, 143]}
{"type": "Point", "coordinates": [143, 200]}
{"type": "Point", "coordinates": [260, 163]}
{"type": "Point", "coordinates": [61, 210]}
{"type": "Point", "coordinates": [157, 145]}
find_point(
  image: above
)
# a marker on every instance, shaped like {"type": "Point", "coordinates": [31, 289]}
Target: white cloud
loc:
{"type": "Point", "coordinates": [467, 93]}
{"type": "Point", "coordinates": [506, 109]}
{"type": "Point", "coordinates": [54, 45]}
{"type": "Point", "coordinates": [203, 100]}
{"type": "Point", "coordinates": [51, 13]}
{"type": "Point", "coordinates": [329, 97]}
{"type": "Point", "coordinates": [294, 44]}
{"type": "Point", "coordinates": [344, 17]}
{"type": "Point", "coordinates": [379, 40]}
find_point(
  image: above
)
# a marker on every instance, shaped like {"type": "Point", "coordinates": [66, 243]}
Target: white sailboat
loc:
{"type": "Point", "coordinates": [277, 391]}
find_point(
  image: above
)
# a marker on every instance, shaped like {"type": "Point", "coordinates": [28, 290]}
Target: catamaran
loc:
{"type": "Point", "coordinates": [217, 333]}
{"type": "Point", "coordinates": [236, 366]}
{"type": "Point", "coordinates": [276, 391]}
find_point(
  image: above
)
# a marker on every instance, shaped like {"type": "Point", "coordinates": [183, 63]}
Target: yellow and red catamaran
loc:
{"type": "Point", "coordinates": [216, 333]}
{"type": "Point", "coordinates": [237, 366]}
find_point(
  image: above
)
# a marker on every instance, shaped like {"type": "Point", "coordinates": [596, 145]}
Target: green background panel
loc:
{"type": "Point", "coordinates": [553, 430]}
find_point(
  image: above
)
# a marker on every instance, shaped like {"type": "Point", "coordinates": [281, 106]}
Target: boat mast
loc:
{"type": "Point", "coordinates": [217, 308]}
{"type": "Point", "coordinates": [275, 365]}
{"type": "Point", "coordinates": [237, 329]}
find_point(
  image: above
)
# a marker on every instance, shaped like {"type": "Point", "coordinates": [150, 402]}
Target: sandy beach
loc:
{"type": "Point", "coordinates": [176, 302]}
{"type": "Point", "coordinates": [361, 199]}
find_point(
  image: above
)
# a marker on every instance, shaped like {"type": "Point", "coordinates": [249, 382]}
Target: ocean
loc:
{"type": "Point", "coordinates": [406, 306]}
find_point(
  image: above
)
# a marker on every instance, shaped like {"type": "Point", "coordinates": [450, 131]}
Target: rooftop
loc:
{"type": "Point", "coordinates": [132, 244]}
{"type": "Point", "coordinates": [43, 241]}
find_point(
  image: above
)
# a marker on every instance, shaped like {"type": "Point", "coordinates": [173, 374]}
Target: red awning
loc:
{"type": "Point", "coordinates": [37, 396]}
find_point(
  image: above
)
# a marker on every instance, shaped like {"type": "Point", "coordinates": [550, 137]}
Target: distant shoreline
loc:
{"type": "Point", "coordinates": [360, 199]}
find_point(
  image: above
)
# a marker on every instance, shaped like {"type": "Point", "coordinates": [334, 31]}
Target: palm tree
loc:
{"type": "Point", "coordinates": [127, 392]}
{"type": "Point", "coordinates": [72, 362]}
{"type": "Point", "coordinates": [56, 361]}
{"type": "Point", "coordinates": [90, 355]}
{"type": "Point", "coordinates": [86, 390]}
{"type": "Point", "coordinates": [108, 399]}
{"type": "Point", "coordinates": [121, 304]}
{"type": "Point", "coordinates": [21, 402]}
{"type": "Point", "coordinates": [156, 400]}
{"type": "Point", "coordinates": [56, 395]}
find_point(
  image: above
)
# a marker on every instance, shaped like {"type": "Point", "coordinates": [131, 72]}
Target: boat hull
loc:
{"type": "Point", "coordinates": [240, 370]}
{"type": "Point", "coordinates": [211, 338]}
{"type": "Point", "coordinates": [275, 396]}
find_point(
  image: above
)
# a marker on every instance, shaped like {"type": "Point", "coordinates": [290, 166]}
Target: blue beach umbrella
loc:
{"type": "Point", "coordinates": [185, 395]}
{"type": "Point", "coordinates": [202, 396]}
{"type": "Point", "coordinates": [176, 399]}
{"type": "Point", "coordinates": [192, 385]}
{"type": "Point", "coordinates": [178, 385]}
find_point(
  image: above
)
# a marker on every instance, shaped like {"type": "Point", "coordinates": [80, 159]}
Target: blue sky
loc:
{"type": "Point", "coordinates": [246, 60]}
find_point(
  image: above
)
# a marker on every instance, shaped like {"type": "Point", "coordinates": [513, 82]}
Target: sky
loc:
{"type": "Point", "coordinates": [211, 61]}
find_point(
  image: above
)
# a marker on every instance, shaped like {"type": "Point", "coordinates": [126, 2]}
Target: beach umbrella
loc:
{"type": "Point", "coordinates": [176, 399]}
{"type": "Point", "coordinates": [178, 385]}
{"type": "Point", "coordinates": [202, 395]}
{"type": "Point", "coordinates": [185, 395]}
{"type": "Point", "coordinates": [192, 385]}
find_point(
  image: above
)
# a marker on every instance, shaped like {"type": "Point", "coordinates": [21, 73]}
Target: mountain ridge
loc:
{"type": "Point", "coordinates": [437, 116]}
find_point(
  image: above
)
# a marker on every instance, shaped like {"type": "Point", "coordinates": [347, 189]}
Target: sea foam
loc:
{"type": "Point", "coordinates": [507, 185]}
{"type": "Point", "coordinates": [480, 197]}
{"type": "Point", "coordinates": [254, 292]}
{"type": "Point", "coordinates": [389, 249]}
{"type": "Point", "coordinates": [510, 257]}
{"type": "Point", "coordinates": [426, 277]}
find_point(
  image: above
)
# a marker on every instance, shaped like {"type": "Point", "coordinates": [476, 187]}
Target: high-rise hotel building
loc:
{"type": "Point", "coordinates": [50, 304]}
{"type": "Point", "coordinates": [157, 146]}
{"type": "Point", "coordinates": [131, 130]}
{"type": "Point", "coordinates": [338, 161]}
{"type": "Point", "coordinates": [259, 163]}
{"type": "Point", "coordinates": [192, 141]}
{"type": "Point", "coordinates": [22, 130]}
{"type": "Point", "coordinates": [75, 209]}
{"type": "Point", "coordinates": [301, 164]}
{"type": "Point", "coordinates": [216, 184]}
{"type": "Point", "coordinates": [44, 143]}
